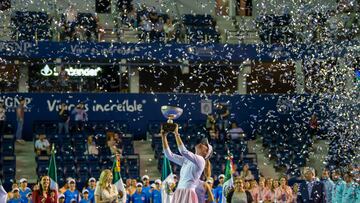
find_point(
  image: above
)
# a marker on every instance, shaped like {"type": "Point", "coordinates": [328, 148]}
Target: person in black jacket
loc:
{"type": "Point", "coordinates": [238, 193]}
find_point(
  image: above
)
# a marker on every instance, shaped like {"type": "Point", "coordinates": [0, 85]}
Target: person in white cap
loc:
{"type": "Point", "coordinates": [16, 196]}
{"type": "Point", "coordinates": [61, 198]}
{"type": "Point", "coordinates": [192, 166]}
{"type": "Point", "coordinates": [311, 190]}
{"type": "Point", "coordinates": [146, 188]}
{"type": "Point", "coordinates": [72, 192]}
{"type": "Point", "coordinates": [218, 190]}
{"type": "Point", "coordinates": [156, 193]}
{"type": "Point", "coordinates": [85, 198]}
{"type": "Point", "coordinates": [91, 189]}
{"type": "Point", "coordinates": [138, 196]}
{"type": "Point", "coordinates": [24, 190]}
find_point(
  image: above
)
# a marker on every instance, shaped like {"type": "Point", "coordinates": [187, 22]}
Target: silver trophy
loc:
{"type": "Point", "coordinates": [171, 113]}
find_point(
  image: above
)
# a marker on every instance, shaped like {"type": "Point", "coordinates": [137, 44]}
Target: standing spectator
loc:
{"type": "Point", "coordinates": [20, 113]}
{"type": "Point", "coordinates": [91, 189]}
{"type": "Point", "coordinates": [85, 198]}
{"type": "Point", "coordinates": [156, 192]}
{"type": "Point", "coordinates": [351, 191]}
{"type": "Point", "coordinates": [80, 116]}
{"type": "Point", "coordinates": [42, 145]}
{"type": "Point", "coordinates": [70, 21]}
{"type": "Point", "coordinates": [139, 196]}
{"type": "Point", "coordinates": [263, 191]}
{"type": "Point", "coordinates": [269, 194]}
{"type": "Point", "coordinates": [311, 190]}
{"type": "Point", "coordinates": [61, 198]}
{"type": "Point", "coordinates": [246, 173]}
{"type": "Point", "coordinates": [44, 194]}
{"type": "Point", "coordinates": [64, 118]}
{"type": "Point", "coordinates": [91, 148]}
{"type": "Point", "coordinates": [72, 193]}
{"type": "Point", "coordinates": [106, 191]}
{"type": "Point", "coordinates": [238, 193]}
{"type": "Point", "coordinates": [313, 125]}
{"type": "Point", "coordinates": [254, 190]}
{"type": "Point", "coordinates": [146, 188]}
{"type": "Point", "coordinates": [338, 188]}
{"type": "Point", "coordinates": [295, 192]}
{"type": "Point", "coordinates": [284, 192]}
{"type": "Point", "coordinates": [210, 122]}
{"type": "Point", "coordinates": [2, 117]}
{"type": "Point", "coordinates": [29, 198]}
{"type": "Point", "coordinates": [222, 117]}
{"type": "Point", "coordinates": [15, 196]}
{"type": "Point", "coordinates": [169, 30]}
{"type": "Point", "coordinates": [218, 189]}
{"type": "Point", "coordinates": [24, 190]}
{"type": "Point", "coordinates": [328, 184]}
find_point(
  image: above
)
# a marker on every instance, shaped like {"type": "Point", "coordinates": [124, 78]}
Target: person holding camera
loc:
{"type": "Point", "coordinates": [192, 166]}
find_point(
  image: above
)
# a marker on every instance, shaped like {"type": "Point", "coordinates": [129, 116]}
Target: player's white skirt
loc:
{"type": "Point", "coordinates": [185, 196]}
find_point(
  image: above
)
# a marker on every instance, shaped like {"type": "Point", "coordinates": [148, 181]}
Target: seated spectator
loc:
{"type": "Point", "coordinates": [311, 190]}
{"type": "Point", "coordinates": [80, 116]}
{"type": "Point", "coordinates": [157, 33]}
{"type": "Point", "coordinates": [210, 122]}
{"type": "Point", "coordinates": [91, 148]}
{"type": "Point", "coordinates": [24, 190]}
{"type": "Point", "coordinates": [146, 27]}
{"type": "Point", "coordinates": [169, 30]}
{"type": "Point", "coordinates": [235, 132]}
{"type": "Point", "coordinates": [284, 192]}
{"type": "Point", "coordinates": [246, 173]}
{"type": "Point", "coordinates": [42, 145]}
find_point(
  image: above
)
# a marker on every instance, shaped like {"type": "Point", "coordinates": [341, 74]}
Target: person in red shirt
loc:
{"type": "Point", "coordinates": [44, 194]}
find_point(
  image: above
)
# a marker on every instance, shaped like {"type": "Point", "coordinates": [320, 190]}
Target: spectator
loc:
{"type": "Point", "coordinates": [29, 198]}
{"type": "Point", "coordinates": [210, 122]}
{"type": "Point", "coordinates": [156, 192]}
{"type": "Point", "coordinates": [284, 193]}
{"type": "Point", "coordinates": [61, 198]}
{"type": "Point", "coordinates": [64, 118]}
{"type": "Point", "coordinates": [106, 191]}
{"type": "Point", "coordinates": [246, 173]}
{"type": "Point", "coordinates": [218, 189]}
{"type": "Point", "coordinates": [351, 191]}
{"type": "Point", "coordinates": [112, 143]}
{"type": "Point", "coordinates": [72, 193]}
{"type": "Point", "coordinates": [138, 196]}
{"type": "Point", "coordinates": [20, 113]}
{"type": "Point", "coordinates": [146, 188]}
{"type": "Point", "coordinates": [295, 192]}
{"type": "Point", "coordinates": [328, 184]}
{"type": "Point", "coordinates": [42, 145]}
{"type": "Point", "coordinates": [133, 18]}
{"type": "Point", "coordinates": [222, 117]}
{"type": "Point", "coordinates": [85, 198]}
{"type": "Point", "coordinates": [254, 190]}
{"type": "Point", "coordinates": [275, 189]}
{"type": "Point", "coordinates": [91, 148]}
{"type": "Point", "coordinates": [169, 30]}
{"type": "Point", "coordinates": [2, 117]}
{"type": "Point", "coordinates": [70, 21]}
{"type": "Point", "coordinates": [338, 188]}
{"type": "Point", "coordinates": [146, 27]}
{"type": "Point", "coordinates": [209, 196]}
{"type": "Point", "coordinates": [269, 194]}
{"type": "Point", "coordinates": [238, 193]}
{"type": "Point", "coordinates": [44, 194]}
{"type": "Point", "coordinates": [80, 116]}
{"type": "Point", "coordinates": [132, 188]}
{"type": "Point", "coordinates": [91, 188]}
{"type": "Point", "coordinates": [24, 190]}
{"type": "Point", "coordinates": [263, 191]}
{"type": "Point", "coordinates": [236, 132]}
{"type": "Point", "coordinates": [311, 190]}
{"type": "Point", "coordinates": [313, 125]}
{"type": "Point", "coordinates": [16, 198]}
{"type": "Point", "coordinates": [63, 79]}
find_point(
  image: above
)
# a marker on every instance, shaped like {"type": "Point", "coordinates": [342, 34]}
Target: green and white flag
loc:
{"type": "Point", "coordinates": [167, 178]}
{"type": "Point", "coordinates": [228, 181]}
{"type": "Point", "coordinates": [3, 193]}
{"type": "Point", "coordinates": [117, 180]}
{"type": "Point", "coordinates": [52, 171]}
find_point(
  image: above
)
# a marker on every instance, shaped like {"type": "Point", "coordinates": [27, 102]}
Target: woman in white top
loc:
{"type": "Point", "coordinates": [192, 166]}
{"type": "Point", "coordinates": [105, 191]}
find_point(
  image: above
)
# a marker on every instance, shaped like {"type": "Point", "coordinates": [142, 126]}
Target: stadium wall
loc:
{"type": "Point", "coordinates": [138, 110]}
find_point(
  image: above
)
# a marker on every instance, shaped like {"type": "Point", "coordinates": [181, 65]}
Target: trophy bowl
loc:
{"type": "Point", "coordinates": [171, 113]}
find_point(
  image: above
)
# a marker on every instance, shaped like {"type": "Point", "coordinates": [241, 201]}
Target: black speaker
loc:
{"type": "Point", "coordinates": [103, 6]}
{"type": "Point", "coordinates": [5, 4]}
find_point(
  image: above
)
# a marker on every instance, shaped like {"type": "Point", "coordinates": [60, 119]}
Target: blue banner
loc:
{"type": "Point", "coordinates": [175, 53]}
{"type": "Point", "coordinates": [138, 110]}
